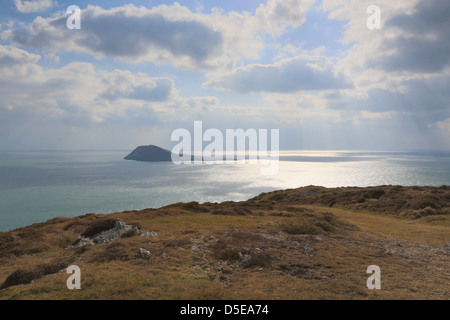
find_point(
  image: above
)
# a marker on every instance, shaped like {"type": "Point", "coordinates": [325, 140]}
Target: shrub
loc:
{"type": "Point", "coordinates": [374, 194]}
{"type": "Point", "coordinates": [98, 226]}
{"type": "Point", "coordinates": [298, 209]}
{"type": "Point", "coordinates": [223, 251]}
{"type": "Point", "coordinates": [422, 203]}
{"type": "Point", "coordinates": [19, 276]}
{"type": "Point", "coordinates": [242, 211]}
{"type": "Point", "coordinates": [130, 233]}
{"type": "Point", "coordinates": [262, 259]}
{"type": "Point", "coordinates": [224, 212]}
{"type": "Point", "coordinates": [5, 239]}
{"type": "Point", "coordinates": [195, 207]}
{"type": "Point", "coordinates": [25, 276]}
{"type": "Point", "coordinates": [317, 223]}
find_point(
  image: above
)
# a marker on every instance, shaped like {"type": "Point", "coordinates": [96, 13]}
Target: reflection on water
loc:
{"type": "Point", "coordinates": [37, 186]}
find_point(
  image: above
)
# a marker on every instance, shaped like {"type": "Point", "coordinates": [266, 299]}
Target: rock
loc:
{"type": "Point", "coordinates": [145, 254]}
{"type": "Point", "coordinates": [225, 270]}
{"type": "Point", "coordinates": [246, 259]}
{"type": "Point", "coordinates": [307, 248]}
{"type": "Point", "coordinates": [119, 228]}
{"type": "Point", "coordinates": [197, 248]}
{"type": "Point", "coordinates": [81, 242]}
{"type": "Point", "coordinates": [135, 231]}
{"type": "Point", "coordinates": [149, 234]}
{"type": "Point", "coordinates": [272, 238]}
{"type": "Point", "coordinates": [307, 193]}
{"type": "Point", "coordinates": [197, 239]}
{"type": "Point", "coordinates": [109, 235]}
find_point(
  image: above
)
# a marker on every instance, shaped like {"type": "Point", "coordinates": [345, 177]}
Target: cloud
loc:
{"type": "Point", "coordinates": [423, 42]}
{"type": "Point", "coordinates": [402, 68]}
{"type": "Point", "coordinates": [10, 55]}
{"type": "Point", "coordinates": [444, 125]}
{"type": "Point", "coordinates": [276, 15]}
{"type": "Point", "coordinates": [78, 92]}
{"type": "Point", "coordinates": [128, 32]}
{"type": "Point", "coordinates": [24, 6]}
{"type": "Point", "coordinates": [302, 72]}
{"type": "Point", "coordinates": [164, 34]}
{"type": "Point", "coordinates": [125, 85]}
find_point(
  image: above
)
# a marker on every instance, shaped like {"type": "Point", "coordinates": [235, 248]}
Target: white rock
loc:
{"type": "Point", "coordinates": [149, 234]}
{"type": "Point", "coordinates": [145, 254]}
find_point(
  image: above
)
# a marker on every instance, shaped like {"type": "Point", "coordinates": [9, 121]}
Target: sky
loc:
{"type": "Point", "coordinates": [136, 71]}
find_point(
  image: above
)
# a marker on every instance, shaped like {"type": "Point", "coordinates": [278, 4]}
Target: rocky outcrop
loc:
{"type": "Point", "coordinates": [150, 154]}
{"type": "Point", "coordinates": [119, 228]}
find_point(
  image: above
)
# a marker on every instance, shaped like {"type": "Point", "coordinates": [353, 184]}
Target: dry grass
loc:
{"type": "Point", "coordinates": [316, 223]}
{"type": "Point", "coordinates": [282, 245]}
{"type": "Point", "coordinates": [25, 276]}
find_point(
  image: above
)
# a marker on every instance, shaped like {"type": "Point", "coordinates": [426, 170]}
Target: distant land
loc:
{"type": "Point", "coordinates": [150, 154]}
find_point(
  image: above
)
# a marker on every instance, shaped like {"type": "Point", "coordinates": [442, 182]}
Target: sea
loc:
{"type": "Point", "coordinates": [36, 186]}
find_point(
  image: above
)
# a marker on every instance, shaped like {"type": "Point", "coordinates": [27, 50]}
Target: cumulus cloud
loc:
{"type": "Point", "coordinates": [413, 38]}
{"type": "Point", "coordinates": [422, 44]}
{"type": "Point", "coordinates": [80, 93]}
{"type": "Point", "coordinates": [302, 72]}
{"type": "Point", "coordinates": [425, 96]}
{"type": "Point", "coordinates": [277, 14]}
{"type": "Point", "coordinates": [125, 85]}
{"type": "Point", "coordinates": [10, 55]}
{"type": "Point", "coordinates": [164, 34]}
{"type": "Point", "coordinates": [127, 32]}
{"type": "Point", "coordinates": [25, 6]}
{"type": "Point", "coordinates": [401, 69]}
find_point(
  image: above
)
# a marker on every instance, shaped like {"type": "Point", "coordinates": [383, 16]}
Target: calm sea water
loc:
{"type": "Point", "coordinates": [37, 186]}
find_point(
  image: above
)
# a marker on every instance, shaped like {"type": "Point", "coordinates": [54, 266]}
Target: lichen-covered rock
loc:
{"type": "Point", "coordinates": [149, 234]}
{"type": "Point", "coordinates": [107, 236]}
{"type": "Point", "coordinates": [145, 254]}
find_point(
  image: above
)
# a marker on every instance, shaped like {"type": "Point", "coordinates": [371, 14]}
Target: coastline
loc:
{"type": "Point", "coordinates": [311, 243]}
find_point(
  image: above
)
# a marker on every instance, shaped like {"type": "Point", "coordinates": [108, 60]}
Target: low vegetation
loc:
{"type": "Point", "coordinates": [305, 243]}
{"type": "Point", "coordinates": [316, 223]}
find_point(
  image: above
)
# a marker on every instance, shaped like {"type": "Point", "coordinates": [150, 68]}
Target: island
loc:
{"type": "Point", "coordinates": [150, 153]}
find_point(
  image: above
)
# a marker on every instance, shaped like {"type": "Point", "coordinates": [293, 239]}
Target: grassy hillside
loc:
{"type": "Point", "coordinates": [306, 243]}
